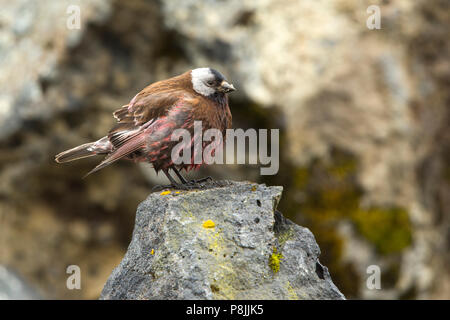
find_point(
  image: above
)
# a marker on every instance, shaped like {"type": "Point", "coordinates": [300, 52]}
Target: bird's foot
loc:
{"type": "Point", "coordinates": [198, 184]}
{"type": "Point", "coordinates": [202, 180]}
{"type": "Point", "coordinates": [161, 187]}
{"type": "Point", "coordinates": [189, 185]}
{"type": "Point", "coordinates": [185, 187]}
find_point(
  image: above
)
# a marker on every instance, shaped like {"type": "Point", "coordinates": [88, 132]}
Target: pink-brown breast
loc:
{"type": "Point", "coordinates": [158, 148]}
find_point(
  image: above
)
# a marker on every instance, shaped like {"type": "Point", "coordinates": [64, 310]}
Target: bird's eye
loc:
{"type": "Point", "coordinates": [210, 82]}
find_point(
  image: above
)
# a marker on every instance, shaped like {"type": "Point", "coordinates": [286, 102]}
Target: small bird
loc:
{"type": "Point", "coordinates": [145, 125]}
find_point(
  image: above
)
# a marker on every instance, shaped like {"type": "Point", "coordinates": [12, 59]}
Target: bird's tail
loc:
{"type": "Point", "coordinates": [76, 153]}
{"type": "Point", "coordinates": [101, 146]}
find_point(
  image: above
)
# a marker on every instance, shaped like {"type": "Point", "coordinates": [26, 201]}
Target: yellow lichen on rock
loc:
{"type": "Point", "coordinates": [291, 292]}
{"type": "Point", "coordinates": [223, 274]}
{"type": "Point", "coordinates": [165, 192]}
{"type": "Point", "coordinates": [208, 224]}
{"type": "Point", "coordinates": [274, 260]}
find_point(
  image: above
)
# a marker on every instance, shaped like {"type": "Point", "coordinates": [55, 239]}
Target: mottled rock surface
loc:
{"type": "Point", "coordinates": [220, 243]}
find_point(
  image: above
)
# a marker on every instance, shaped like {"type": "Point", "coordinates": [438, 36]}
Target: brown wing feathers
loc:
{"type": "Point", "coordinates": [127, 136]}
{"type": "Point", "coordinates": [133, 145]}
{"type": "Point", "coordinates": [121, 113]}
{"type": "Point", "coordinates": [147, 119]}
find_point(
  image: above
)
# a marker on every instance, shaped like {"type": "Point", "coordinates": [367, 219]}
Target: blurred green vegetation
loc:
{"type": "Point", "coordinates": [326, 192]}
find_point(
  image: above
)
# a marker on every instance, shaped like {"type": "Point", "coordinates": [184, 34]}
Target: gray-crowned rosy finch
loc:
{"type": "Point", "coordinates": [145, 125]}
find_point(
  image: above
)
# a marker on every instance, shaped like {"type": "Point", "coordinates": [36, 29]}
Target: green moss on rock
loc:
{"type": "Point", "coordinates": [326, 192]}
{"type": "Point", "coordinates": [389, 229]}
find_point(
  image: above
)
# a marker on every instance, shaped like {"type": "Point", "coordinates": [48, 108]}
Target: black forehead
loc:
{"type": "Point", "coordinates": [217, 74]}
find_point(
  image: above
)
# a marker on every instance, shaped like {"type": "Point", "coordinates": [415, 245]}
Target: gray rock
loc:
{"type": "Point", "coordinates": [14, 287]}
{"type": "Point", "coordinates": [251, 252]}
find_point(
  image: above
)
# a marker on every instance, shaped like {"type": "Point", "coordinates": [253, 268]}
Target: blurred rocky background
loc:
{"type": "Point", "coordinates": [364, 118]}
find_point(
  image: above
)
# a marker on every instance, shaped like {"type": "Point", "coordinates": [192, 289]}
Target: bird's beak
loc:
{"type": "Point", "coordinates": [226, 87]}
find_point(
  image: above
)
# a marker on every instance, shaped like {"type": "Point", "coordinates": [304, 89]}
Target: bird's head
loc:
{"type": "Point", "coordinates": [207, 82]}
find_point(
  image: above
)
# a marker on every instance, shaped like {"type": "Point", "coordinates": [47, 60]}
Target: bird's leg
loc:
{"type": "Point", "coordinates": [172, 180]}
{"type": "Point", "coordinates": [191, 182]}
{"type": "Point", "coordinates": [173, 184]}
{"type": "Point", "coordinates": [184, 185]}
{"type": "Point", "coordinates": [182, 179]}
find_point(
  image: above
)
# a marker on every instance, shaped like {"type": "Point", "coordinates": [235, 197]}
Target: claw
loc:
{"type": "Point", "coordinates": [190, 185]}
{"type": "Point", "coordinates": [185, 187]}
{"type": "Point", "coordinates": [201, 180]}
{"type": "Point", "coordinates": [162, 187]}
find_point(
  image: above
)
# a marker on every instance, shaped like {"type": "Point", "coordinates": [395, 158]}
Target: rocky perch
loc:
{"type": "Point", "coordinates": [226, 241]}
